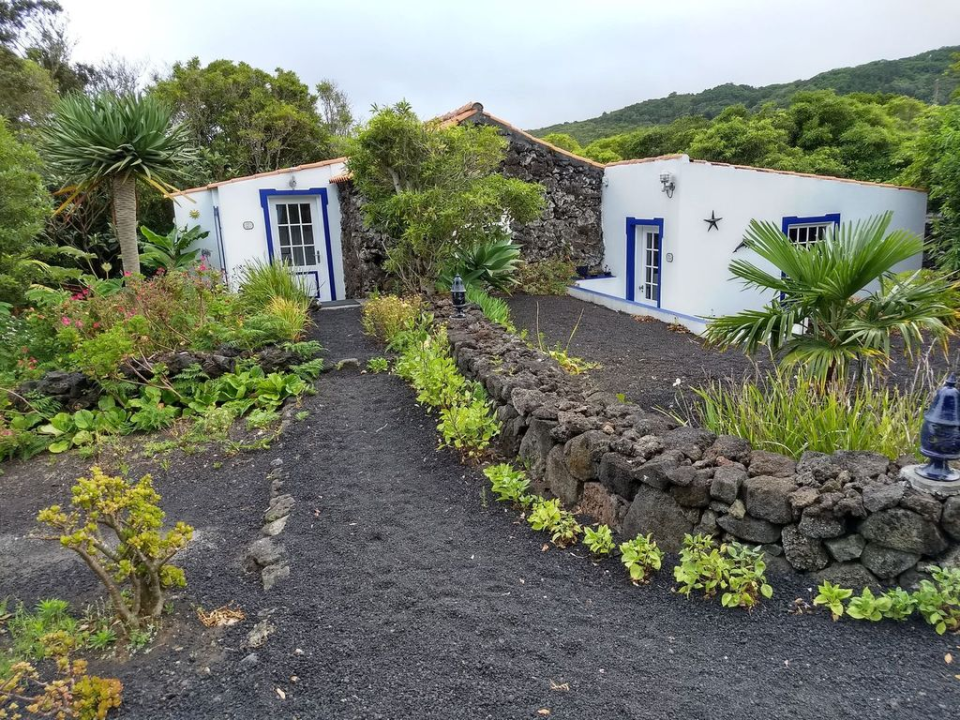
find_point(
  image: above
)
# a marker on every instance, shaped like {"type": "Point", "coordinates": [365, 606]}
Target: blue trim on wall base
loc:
{"type": "Point", "coordinates": [631, 281]}
{"type": "Point", "coordinates": [794, 220]}
{"type": "Point", "coordinates": [694, 318]}
{"type": "Point", "coordinates": [265, 196]}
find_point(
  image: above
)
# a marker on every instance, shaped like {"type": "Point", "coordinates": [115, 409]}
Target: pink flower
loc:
{"type": "Point", "coordinates": [203, 267]}
{"type": "Point", "coordinates": [65, 320]}
{"type": "Point", "coordinates": [126, 273]}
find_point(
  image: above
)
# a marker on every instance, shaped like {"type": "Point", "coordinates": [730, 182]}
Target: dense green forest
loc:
{"type": "Point", "coordinates": [920, 77]}
{"type": "Point", "coordinates": [237, 119]}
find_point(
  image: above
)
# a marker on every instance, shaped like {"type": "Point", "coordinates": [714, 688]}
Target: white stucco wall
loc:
{"type": "Point", "coordinates": [697, 282]}
{"type": "Point", "coordinates": [239, 202]}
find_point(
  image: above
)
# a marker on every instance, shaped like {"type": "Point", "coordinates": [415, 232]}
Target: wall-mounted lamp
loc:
{"type": "Point", "coordinates": [293, 182]}
{"type": "Point", "coordinates": [669, 184]}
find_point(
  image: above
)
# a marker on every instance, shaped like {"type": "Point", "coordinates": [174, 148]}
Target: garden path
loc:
{"type": "Point", "coordinates": [414, 595]}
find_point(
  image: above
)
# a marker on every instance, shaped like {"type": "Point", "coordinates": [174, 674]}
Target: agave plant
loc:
{"type": "Point", "coordinates": [821, 313]}
{"type": "Point", "coordinates": [491, 264]}
{"type": "Point", "coordinates": [114, 141]}
{"type": "Point", "coordinates": [171, 251]}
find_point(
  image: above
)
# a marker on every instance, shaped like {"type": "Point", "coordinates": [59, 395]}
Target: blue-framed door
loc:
{"type": "Point", "coordinates": [644, 281]}
{"type": "Point", "coordinates": [293, 219]}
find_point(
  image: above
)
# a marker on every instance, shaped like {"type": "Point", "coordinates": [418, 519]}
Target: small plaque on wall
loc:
{"type": "Point", "coordinates": [248, 225]}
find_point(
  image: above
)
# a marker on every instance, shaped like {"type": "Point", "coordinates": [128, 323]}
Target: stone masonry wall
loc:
{"type": "Point", "coordinates": [569, 227]}
{"type": "Point", "coordinates": [846, 516]}
{"type": "Point", "coordinates": [571, 224]}
{"type": "Point", "coordinates": [364, 250]}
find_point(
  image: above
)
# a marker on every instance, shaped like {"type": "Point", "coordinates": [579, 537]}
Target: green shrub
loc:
{"type": "Point", "coordinates": [486, 264]}
{"type": "Point", "coordinates": [171, 251]}
{"type": "Point", "coordinates": [867, 606]}
{"type": "Point", "coordinates": [548, 515]}
{"type": "Point", "coordinates": [468, 426]}
{"type": "Point", "coordinates": [545, 514]}
{"type": "Point", "coordinates": [546, 277]}
{"type": "Point", "coordinates": [832, 596]}
{"type": "Point", "coordinates": [386, 316]}
{"type": "Point", "coordinates": [72, 693]}
{"type": "Point", "coordinates": [135, 566]}
{"type": "Point", "coordinates": [733, 570]}
{"type": "Point", "coordinates": [507, 483]}
{"type": "Point", "coordinates": [641, 557]}
{"type": "Point", "coordinates": [378, 365]}
{"type": "Point", "coordinates": [598, 540]}
{"type": "Point", "coordinates": [495, 309]}
{"type": "Point", "coordinates": [938, 600]}
{"type": "Point", "coordinates": [566, 530]}
{"type": "Point", "coordinates": [792, 414]}
{"type": "Point", "coordinates": [291, 315]}
{"type": "Point", "coordinates": [261, 282]}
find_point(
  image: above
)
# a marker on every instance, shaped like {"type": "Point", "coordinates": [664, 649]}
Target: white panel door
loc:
{"type": "Point", "coordinates": [298, 240]}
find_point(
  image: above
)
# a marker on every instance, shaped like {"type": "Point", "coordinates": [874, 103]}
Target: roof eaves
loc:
{"type": "Point", "coordinates": [281, 171]}
{"type": "Point", "coordinates": [810, 175]}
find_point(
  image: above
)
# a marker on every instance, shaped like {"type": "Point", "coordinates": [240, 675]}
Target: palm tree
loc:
{"type": "Point", "coordinates": [821, 314]}
{"type": "Point", "coordinates": [115, 141]}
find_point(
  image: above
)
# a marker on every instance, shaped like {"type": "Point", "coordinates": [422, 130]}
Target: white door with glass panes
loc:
{"type": "Point", "coordinates": [298, 239]}
{"type": "Point", "coordinates": [648, 265]}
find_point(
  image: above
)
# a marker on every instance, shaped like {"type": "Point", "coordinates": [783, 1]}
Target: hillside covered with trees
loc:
{"type": "Point", "coordinates": [920, 77]}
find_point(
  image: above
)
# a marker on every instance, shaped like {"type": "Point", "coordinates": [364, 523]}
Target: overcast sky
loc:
{"type": "Point", "coordinates": [532, 62]}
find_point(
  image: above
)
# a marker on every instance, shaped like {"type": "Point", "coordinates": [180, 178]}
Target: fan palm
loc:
{"type": "Point", "coordinates": [115, 141]}
{"type": "Point", "coordinates": [822, 314]}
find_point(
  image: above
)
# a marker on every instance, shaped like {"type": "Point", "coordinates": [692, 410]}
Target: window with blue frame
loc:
{"type": "Point", "coordinates": [807, 231]}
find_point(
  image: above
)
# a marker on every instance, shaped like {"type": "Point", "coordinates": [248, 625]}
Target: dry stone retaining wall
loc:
{"type": "Point", "coordinates": [845, 516]}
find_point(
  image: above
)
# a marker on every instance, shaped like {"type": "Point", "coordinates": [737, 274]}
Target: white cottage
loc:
{"type": "Point", "coordinates": [291, 214]}
{"type": "Point", "coordinates": [667, 227]}
{"type": "Point", "coordinates": [672, 225]}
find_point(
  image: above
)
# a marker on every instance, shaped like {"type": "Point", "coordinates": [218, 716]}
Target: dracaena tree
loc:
{"type": "Point", "coordinates": [116, 141]}
{"type": "Point", "coordinates": [821, 311]}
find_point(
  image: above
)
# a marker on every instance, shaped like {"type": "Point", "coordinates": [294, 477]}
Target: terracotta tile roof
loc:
{"type": "Point", "coordinates": [306, 166]}
{"type": "Point", "coordinates": [341, 178]}
{"type": "Point", "coordinates": [637, 161]}
{"type": "Point", "coordinates": [808, 175]}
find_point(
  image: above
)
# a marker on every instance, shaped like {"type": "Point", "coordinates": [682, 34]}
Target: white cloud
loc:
{"type": "Point", "coordinates": [533, 62]}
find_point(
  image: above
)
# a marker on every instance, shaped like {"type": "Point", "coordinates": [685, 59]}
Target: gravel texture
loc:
{"type": "Point", "coordinates": [644, 358]}
{"type": "Point", "coordinates": [413, 594]}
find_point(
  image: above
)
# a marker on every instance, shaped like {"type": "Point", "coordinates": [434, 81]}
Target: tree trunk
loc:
{"type": "Point", "coordinates": [125, 220]}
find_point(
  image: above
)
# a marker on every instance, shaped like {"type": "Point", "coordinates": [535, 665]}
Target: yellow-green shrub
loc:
{"type": "Point", "coordinates": [385, 316]}
{"type": "Point", "coordinates": [134, 566]}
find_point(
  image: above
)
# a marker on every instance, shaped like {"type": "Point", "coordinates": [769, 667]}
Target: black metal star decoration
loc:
{"type": "Point", "coordinates": [712, 221]}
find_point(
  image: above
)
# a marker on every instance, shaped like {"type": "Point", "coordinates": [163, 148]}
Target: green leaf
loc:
{"type": "Point", "coordinates": [59, 446]}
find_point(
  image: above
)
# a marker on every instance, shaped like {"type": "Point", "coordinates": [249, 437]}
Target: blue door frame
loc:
{"type": "Point", "coordinates": [632, 224]}
{"type": "Point", "coordinates": [265, 196]}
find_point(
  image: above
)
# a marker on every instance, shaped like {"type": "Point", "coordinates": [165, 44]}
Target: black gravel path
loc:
{"type": "Point", "coordinates": [650, 362]}
{"type": "Point", "coordinates": [414, 595]}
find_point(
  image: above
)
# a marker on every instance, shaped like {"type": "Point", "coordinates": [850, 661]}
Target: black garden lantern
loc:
{"type": "Point", "coordinates": [459, 292]}
{"type": "Point", "coordinates": [940, 434]}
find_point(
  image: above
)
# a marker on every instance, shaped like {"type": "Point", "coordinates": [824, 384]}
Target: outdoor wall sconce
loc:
{"type": "Point", "coordinates": [248, 225]}
{"type": "Point", "coordinates": [940, 443]}
{"type": "Point", "coordinates": [459, 292]}
{"type": "Point", "coordinates": [293, 182]}
{"type": "Point", "coordinates": [669, 184]}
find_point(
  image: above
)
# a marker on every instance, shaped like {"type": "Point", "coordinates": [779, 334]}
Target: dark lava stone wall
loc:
{"type": "Point", "coordinates": [846, 517]}
{"type": "Point", "coordinates": [569, 227]}
{"type": "Point", "coordinates": [364, 250]}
